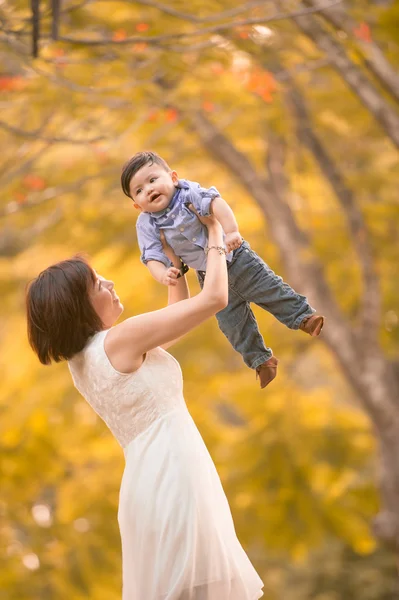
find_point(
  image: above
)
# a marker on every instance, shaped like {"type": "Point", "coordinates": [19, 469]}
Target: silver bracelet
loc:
{"type": "Point", "coordinates": [220, 249]}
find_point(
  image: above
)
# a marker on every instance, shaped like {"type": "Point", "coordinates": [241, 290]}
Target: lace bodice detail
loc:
{"type": "Point", "coordinates": [128, 403]}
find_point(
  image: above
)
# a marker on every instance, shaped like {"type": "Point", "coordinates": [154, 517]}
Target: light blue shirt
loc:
{"type": "Point", "coordinates": [183, 231]}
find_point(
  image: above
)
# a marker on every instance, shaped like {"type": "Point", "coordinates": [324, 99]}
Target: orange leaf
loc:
{"type": "Point", "coordinates": [171, 115]}
{"type": "Point", "coordinates": [363, 32]}
{"type": "Point", "coordinates": [262, 83]}
{"type": "Point", "coordinates": [265, 95]}
{"type": "Point", "coordinates": [119, 35]}
{"type": "Point", "coordinates": [244, 32]}
{"type": "Point", "coordinates": [60, 59]}
{"type": "Point", "coordinates": [208, 106]}
{"type": "Point", "coordinates": [34, 182]}
{"type": "Point", "coordinates": [139, 47]}
{"type": "Point", "coordinates": [20, 197]}
{"type": "Point", "coordinates": [11, 83]}
{"type": "Point", "coordinates": [153, 114]}
{"type": "Point", "coordinates": [141, 27]}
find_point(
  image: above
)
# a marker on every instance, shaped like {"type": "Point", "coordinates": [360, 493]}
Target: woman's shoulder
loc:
{"type": "Point", "coordinates": [118, 347]}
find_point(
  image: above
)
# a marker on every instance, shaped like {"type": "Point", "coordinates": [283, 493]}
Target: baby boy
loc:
{"type": "Point", "coordinates": [164, 201]}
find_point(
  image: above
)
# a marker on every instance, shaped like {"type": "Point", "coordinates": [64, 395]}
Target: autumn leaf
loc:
{"type": "Point", "coordinates": [60, 58]}
{"type": "Point", "coordinates": [119, 35]}
{"type": "Point", "coordinates": [11, 83]}
{"type": "Point", "coordinates": [140, 47]}
{"type": "Point", "coordinates": [142, 27]}
{"type": "Point", "coordinates": [208, 106]}
{"type": "Point", "coordinates": [20, 197]}
{"type": "Point", "coordinates": [363, 32]}
{"type": "Point", "coordinates": [263, 84]}
{"type": "Point", "coordinates": [171, 115]}
{"type": "Point", "coordinates": [34, 182]}
{"type": "Point", "coordinates": [153, 115]}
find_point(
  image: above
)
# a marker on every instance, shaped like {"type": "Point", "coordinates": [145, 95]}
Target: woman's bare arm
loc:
{"type": "Point", "coordinates": [178, 292]}
{"type": "Point", "coordinates": [127, 342]}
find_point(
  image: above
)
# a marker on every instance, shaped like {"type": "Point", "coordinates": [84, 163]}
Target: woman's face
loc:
{"type": "Point", "coordinates": [105, 301]}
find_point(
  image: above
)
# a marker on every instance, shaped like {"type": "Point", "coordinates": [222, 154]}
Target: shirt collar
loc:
{"type": "Point", "coordinates": [182, 184]}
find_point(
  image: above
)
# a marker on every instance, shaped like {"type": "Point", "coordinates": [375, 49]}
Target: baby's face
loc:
{"type": "Point", "coordinates": [152, 188]}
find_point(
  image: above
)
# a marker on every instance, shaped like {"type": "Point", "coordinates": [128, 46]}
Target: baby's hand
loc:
{"type": "Point", "coordinates": [171, 275]}
{"type": "Point", "coordinates": [232, 241]}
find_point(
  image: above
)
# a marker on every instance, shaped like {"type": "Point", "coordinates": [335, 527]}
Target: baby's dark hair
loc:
{"type": "Point", "coordinates": [137, 162]}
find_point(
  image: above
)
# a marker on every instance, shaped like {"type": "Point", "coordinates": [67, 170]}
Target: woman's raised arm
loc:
{"type": "Point", "coordinates": [127, 342]}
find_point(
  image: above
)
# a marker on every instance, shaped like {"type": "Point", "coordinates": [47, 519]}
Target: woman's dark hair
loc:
{"type": "Point", "coordinates": [137, 162]}
{"type": "Point", "coordinates": [60, 315]}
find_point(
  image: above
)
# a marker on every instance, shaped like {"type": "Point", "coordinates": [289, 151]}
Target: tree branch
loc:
{"type": "Point", "coordinates": [226, 14]}
{"type": "Point", "coordinates": [371, 303]}
{"type": "Point", "coordinates": [35, 7]}
{"type": "Point", "coordinates": [36, 135]}
{"type": "Point", "coordinates": [354, 77]}
{"type": "Point", "coordinates": [161, 39]}
{"type": "Point", "coordinates": [375, 59]}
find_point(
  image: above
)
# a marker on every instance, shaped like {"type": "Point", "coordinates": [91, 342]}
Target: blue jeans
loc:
{"type": "Point", "coordinates": [252, 280]}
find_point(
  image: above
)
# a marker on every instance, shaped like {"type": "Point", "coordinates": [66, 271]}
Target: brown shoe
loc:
{"type": "Point", "coordinates": [312, 325]}
{"type": "Point", "coordinates": [267, 371]}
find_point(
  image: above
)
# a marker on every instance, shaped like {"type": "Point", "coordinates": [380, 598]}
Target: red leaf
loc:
{"type": "Point", "coordinates": [20, 197]}
{"type": "Point", "coordinates": [208, 106]}
{"type": "Point", "coordinates": [153, 114]}
{"type": "Point", "coordinates": [139, 47]}
{"type": "Point", "coordinates": [60, 59]}
{"type": "Point", "coordinates": [119, 35]}
{"type": "Point", "coordinates": [141, 27]}
{"type": "Point", "coordinates": [11, 83]}
{"type": "Point", "coordinates": [265, 95]}
{"type": "Point", "coordinates": [34, 182]}
{"type": "Point", "coordinates": [171, 115]}
{"type": "Point", "coordinates": [262, 83]}
{"type": "Point", "coordinates": [244, 32]}
{"type": "Point", "coordinates": [363, 32]}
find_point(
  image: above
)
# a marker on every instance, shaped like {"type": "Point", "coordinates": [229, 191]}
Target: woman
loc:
{"type": "Point", "coordinates": [178, 538]}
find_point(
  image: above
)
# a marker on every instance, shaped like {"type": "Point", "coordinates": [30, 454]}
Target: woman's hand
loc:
{"type": "Point", "coordinates": [209, 222]}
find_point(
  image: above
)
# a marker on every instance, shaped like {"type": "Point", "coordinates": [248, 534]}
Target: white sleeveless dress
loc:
{"type": "Point", "coordinates": [178, 537]}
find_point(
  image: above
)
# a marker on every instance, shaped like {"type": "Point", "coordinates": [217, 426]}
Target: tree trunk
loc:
{"type": "Point", "coordinates": [370, 317]}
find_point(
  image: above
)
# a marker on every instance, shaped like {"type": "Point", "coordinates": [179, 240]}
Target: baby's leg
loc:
{"type": "Point", "coordinates": [239, 325]}
{"type": "Point", "coordinates": [259, 284]}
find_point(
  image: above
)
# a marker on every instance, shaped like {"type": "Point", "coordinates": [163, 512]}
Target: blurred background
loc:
{"type": "Point", "coordinates": [291, 110]}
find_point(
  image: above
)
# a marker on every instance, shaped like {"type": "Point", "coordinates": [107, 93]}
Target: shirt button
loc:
{"type": "Point", "coordinates": [181, 228]}
{"type": "Point", "coordinates": [194, 239]}
{"type": "Point", "coordinates": [168, 209]}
